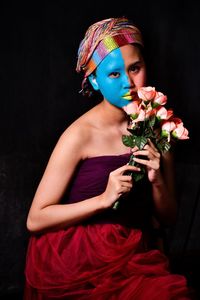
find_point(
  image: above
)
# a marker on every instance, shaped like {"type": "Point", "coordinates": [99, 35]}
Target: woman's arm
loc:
{"type": "Point", "coordinates": [46, 212]}
{"type": "Point", "coordinates": [160, 170]}
{"type": "Point", "coordinates": [163, 190]}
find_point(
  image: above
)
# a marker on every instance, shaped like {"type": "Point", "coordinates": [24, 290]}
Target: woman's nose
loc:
{"type": "Point", "coordinates": [128, 82]}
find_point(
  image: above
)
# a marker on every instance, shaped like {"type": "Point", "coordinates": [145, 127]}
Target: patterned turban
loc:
{"type": "Point", "coordinates": [103, 37]}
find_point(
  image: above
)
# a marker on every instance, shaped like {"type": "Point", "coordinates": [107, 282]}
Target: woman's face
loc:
{"type": "Point", "coordinates": [119, 75]}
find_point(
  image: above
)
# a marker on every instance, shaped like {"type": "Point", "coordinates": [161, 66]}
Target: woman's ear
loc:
{"type": "Point", "coordinates": [93, 82]}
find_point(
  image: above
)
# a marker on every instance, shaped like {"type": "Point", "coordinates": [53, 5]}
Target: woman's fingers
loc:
{"type": "Point", "coordinates": [149, 163]}
{"type": "Point", "coordinates": [118, 184]}
{"type": "Point", "coordinates": [149, 150]}
{"type": "Point", "coordinates": [121, 170]}
{"type": "Point", "coordinates": [149, 153]}
{"type": "Point", "coordinates": [152, 145]}
{"type": "Point", "coordinates": [149, 156]}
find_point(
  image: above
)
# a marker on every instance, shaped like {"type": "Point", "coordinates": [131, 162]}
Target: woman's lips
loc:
{"type": "Point", "coordinates": [129, 96]}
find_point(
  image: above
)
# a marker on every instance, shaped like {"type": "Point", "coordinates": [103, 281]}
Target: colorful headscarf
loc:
{"type": "Point", "coordinates": [103, 37]}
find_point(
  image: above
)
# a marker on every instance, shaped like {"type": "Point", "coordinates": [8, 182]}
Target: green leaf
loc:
{"type": "Point", "coordinates": [128, 140]}
{"type": "Point", "coordinates": [140, 141]}
{"type": "Point", "coordinates": [152, 121]}
{"type": "Point", "coordinates": [148, 133]}
{"type": "Point", "coordinates": [137, 176]}
{"type": "Point", "coordinates": [163, 145]}
{"type": "Point", "coordinates": [166, 147]}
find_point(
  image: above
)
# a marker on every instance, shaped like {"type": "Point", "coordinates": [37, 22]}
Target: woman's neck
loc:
{"type": "Point", "coordinates": [112, 115]}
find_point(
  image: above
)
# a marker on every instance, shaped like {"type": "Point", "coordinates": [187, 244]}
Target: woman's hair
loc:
{"type": "Point", "coordinates": [100, 39]}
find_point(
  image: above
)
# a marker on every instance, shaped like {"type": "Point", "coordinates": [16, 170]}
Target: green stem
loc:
{"type": "Point", "coordinates": [132, 163]}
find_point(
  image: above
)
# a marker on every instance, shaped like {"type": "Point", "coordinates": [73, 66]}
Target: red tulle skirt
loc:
{"type": "Point", "coordinates": [99, 262]}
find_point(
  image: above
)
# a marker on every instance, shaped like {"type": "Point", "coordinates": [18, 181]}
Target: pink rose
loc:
{"type": "Point", "coordinates": [159, 99]}
{"type": "Point", "coordinates": [132, 109]}
{"type": "Point", "coordinates": [180, 132]}
{"type": "Point", "coordinates": [142, 115]}
{"type": "Point", "coordinates": [146, 93]}
{"type": "Point", "coordinates": [168, 126]}
{"type": "Point", "coordinates": [163, 114]}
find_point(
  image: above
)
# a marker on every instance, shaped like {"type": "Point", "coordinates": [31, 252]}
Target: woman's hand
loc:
{"type": "Point", "coordinates": [151, 160]}
{"type": "Point", "coordinates": [118, 184]}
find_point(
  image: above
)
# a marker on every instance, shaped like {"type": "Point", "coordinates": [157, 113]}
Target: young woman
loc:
{"type": "Point", "coordinates": [80, 247]}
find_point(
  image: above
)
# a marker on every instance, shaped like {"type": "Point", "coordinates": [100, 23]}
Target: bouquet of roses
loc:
{"type": "Point", "coordinates": [149, 119]}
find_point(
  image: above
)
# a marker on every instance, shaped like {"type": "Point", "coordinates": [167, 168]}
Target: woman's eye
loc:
{"type": "Point", "coordinates": [135, 69]}
{"type": "Point", "coordinates": [114, 74]}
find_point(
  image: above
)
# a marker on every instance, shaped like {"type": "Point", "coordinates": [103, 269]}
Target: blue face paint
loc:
{"type": "Point", "coordinates": [112, 80]}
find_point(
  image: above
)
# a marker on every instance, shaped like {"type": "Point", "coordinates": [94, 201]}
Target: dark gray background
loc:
{"type": "Point", "coordinates": [40, 98]}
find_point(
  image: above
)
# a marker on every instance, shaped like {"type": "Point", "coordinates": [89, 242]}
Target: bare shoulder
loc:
{"type": "Point", "coordinates": [76, 138]}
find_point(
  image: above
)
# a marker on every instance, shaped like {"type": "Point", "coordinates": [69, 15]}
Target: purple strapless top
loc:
{"type": "Point", "coordinates": [90, 179]}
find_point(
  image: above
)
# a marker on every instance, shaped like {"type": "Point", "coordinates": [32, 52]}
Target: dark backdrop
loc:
{"type": "Point", "coordinates": [40, 98]}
